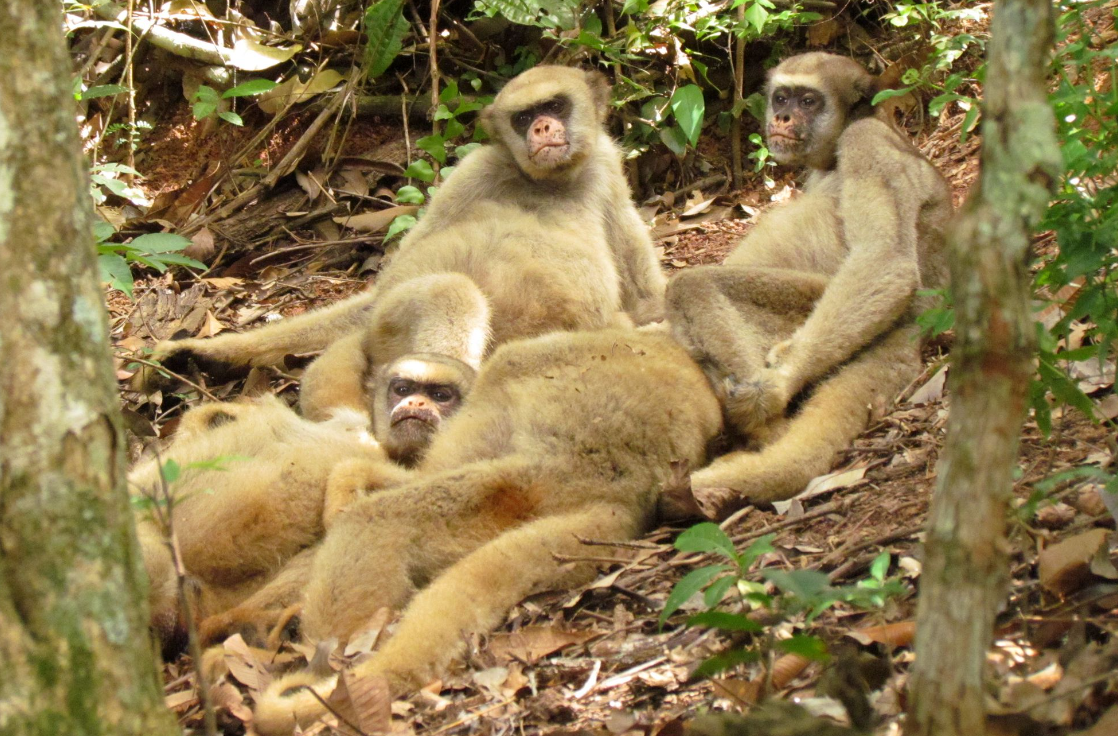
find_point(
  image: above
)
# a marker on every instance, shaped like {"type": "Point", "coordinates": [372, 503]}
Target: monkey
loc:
{"type": "Point", "coordinates": [810, 319]}
{"type": "Point", "coordinates": [286, 479]}
{"type": "Point", "coordinates": [566, 435]}
{"type": "Point", "coordinates": [534, 231]}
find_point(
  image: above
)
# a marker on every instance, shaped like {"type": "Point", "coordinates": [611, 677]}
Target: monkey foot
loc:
{"type": "Point", "coordinates": [752, 404]}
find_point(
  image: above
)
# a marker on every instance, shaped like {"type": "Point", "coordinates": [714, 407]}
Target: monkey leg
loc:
{"type": "Point", "coordinates": [471, 597]}
{"type": "Point", "coordinates": [353, 478]}
{"type": "Point", "coordinates": [336, 379]}
{"type": "Point", "coordinates": [256, 617]}
{"type": "Point", "coordinates": [728, 317]}
{"type": "Point", "coordinates": [835, 413]}
{"type": "Point", "coordinates": [443, 313]}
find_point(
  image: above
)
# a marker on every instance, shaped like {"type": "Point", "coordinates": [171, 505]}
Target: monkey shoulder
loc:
{"type": "Point", "coordinates": [872, 148]}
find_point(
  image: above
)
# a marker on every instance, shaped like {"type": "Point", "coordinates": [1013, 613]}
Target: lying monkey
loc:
{"type": "Point", "coordinates": [563, 436]}
{"type": "Point", "coordinates": [239, 528]}
{"type": "Point", "coordinates": [819, 299]}
{"type": "Point", "coordinates": [534, 232]}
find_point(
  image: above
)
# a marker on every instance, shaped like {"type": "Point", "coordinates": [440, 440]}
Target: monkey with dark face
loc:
{"type": "Point", "coordinates": [411, 399]}
{"type": "Point", "coordinates": [565, 436]}
{"type": "Point", "coordinates": [818, 300]}
{"type": "Point", "coordinates": [534, 232]}
{"type": "Point", "coordinates": [287, 478]}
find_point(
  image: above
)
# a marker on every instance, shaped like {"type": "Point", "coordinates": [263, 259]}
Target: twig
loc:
{"type": "Point", "coordinates": [739, 82]}
{"type": "Point", "coordinates": [846, 550]}
{"type": "Point", "coordinates": [471, 716]}
{"type": "Point", "coordinates": [332, 710]}
{"type": "Point", "coordinates": [129, 83]}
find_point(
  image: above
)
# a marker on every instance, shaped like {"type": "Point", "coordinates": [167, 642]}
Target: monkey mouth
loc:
{"type": "Point", "coordinates": [551, 154]}
{"type": "Point", "coordinates": [784, 139]}
{"type": "Point", "coordinates": [414, 416]}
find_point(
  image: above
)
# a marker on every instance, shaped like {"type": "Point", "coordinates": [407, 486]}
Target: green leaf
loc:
{"type": "Point", "coordinates": [717, 590]}
{"type": "Point", "coordinates": [675, 139]}
{"type": "Point", "coordinates": [170, 471]}
{"type": "Point", "coordinates": [206, 94]}
{"type": "Point", "coordinates": [203, 110]}
{"type": "Point", "coordinates": [706, 537]}
{"type": "Point", "coordinates": [421, 170]}
{"type": "Point", "coordinates": [725, 621]}
{"type": "Point", "coordinates": [454, 128]}
{"type": "Point", "coordinates": [385, 27]}
{"type": "Point", "coordinates": [115, 270]}
{"type": "Point", "coordinates": [102, 231]}
{"type": "Point", "coordinates": [435, 145]}
{"type": "Point", "coordinates": [756, 16]}
{"type": "Point", "coordinates": [450, 92]}
{"type": "Point", "coordinates": [806, 584]}
{"type": "Point", "coordinates": [116, 186]}
{"type": "Point", "coordinates": [689, 107]}
{"type": "Point", "coordinates": [250, 88]}
{"type": "Point", "coordinates": [116, 168]}
{"type": "Point", "coordinates": [103, 90]}
{"type": "Point", "coordinates": [810, 647]}
{"type": "Point", "coordinates": [231, 117]}
{"type": "Point", "coordinates": [538, 13]}
{"type": "Point", "coordinates": [460, 152]}
{"type": "Point", "coordinates": [408, 194]}
{"type": "Point", "coordinates": [689, 585]}
{"type": "Point", "coordinates": [159, 243]}
{"type": "Point", "coordinates": [399, 225]}
{"type": "Point", "coordinates": [725, 661]}
{"type": "Point", "coordinates": [886, 94]}
{"type": "Point", "coordinates": [177, 259]}
{"type": "Point", "coordinates": [880, 566]}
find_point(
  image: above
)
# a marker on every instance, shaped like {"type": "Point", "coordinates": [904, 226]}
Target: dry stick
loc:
{"type": "Point", "coordinates": [433, 46]}
{"type": "Point", "coordinates": [739, 82]}
{"type": "Point", "coordinates": [847, 550]}
{"type": "Point", "coordinates": [129, 82]}
{"type": "Point", "coordinates": [331, 710]}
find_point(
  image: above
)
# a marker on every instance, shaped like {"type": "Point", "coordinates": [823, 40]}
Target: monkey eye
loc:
{"type": "Point", "coordinates": [522, 119]}
{"type": "Point", "coordinates": [402, 389]}
{"type": "Point", "coordinates": [442, 395]}
{"type": "Point", "coordinates": [552, 107]}
{"type": "Point", "coordinates": [807, 102]}
{"type": "Point", "coordinates": [779, 99]}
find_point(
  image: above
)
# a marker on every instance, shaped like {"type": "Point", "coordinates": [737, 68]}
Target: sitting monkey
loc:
{"type": "Point", "coordinates": [563, 436]}
{"type": "Point", "coordinates": [243, 530]}
{"type": "Point", "coordinates": [534, 232]}
{"type": "Point", "coordinates": [818, 300]}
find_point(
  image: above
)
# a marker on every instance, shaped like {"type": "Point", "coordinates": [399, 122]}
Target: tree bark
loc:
{"type": "Point", "coordinates": [966, 566]}
{"type": "Point", "coordinates": [75, 654]}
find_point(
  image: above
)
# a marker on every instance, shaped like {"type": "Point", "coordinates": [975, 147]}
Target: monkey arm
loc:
{"type": "Point", "coordinates": [870, 291]}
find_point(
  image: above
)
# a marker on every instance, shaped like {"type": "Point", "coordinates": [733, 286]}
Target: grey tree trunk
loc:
{"type": "Point", "coordinates": [75, 654]}
{"type": "Point", "coordinates": [965, 566]}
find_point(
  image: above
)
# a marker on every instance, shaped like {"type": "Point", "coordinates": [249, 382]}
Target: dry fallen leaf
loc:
{"type": "Point", "coordinates": [1067, 566]}
{"type": "Point", "coordinates": [931, 391]}
{"type": "Point", "coordinates": [833, 481]}
{"type": "Point", "coordinates": [899, 634]}
{"type": "Point", "coordinates": [373, 222]}
{"type": "Point", "coordinates": [532, 643]}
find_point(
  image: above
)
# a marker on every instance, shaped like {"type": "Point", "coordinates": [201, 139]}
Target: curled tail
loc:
{"type": "Point", "coordinates": [288, 702]}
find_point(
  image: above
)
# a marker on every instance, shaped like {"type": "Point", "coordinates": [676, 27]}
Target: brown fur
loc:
{"type": "Point", "coordinates": [511, 246]}
{"type": "Point", "coordinates": [819, 298]}
{"type": "Point", "coordinates": [563, 436]}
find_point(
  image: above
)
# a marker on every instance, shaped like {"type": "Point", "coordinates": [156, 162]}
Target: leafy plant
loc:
{"type": "Point", "coordinates": [207, 100]}
{"type": "Point", "coordinates": [155, 250]}
{"type": "Point", "coordinates": [385, 27]}
{"type": "Point", "coordinates": [788, 593]}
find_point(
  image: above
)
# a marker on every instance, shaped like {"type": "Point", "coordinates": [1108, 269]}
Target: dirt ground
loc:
{"type": "Point", "coordinates": [597, 660]}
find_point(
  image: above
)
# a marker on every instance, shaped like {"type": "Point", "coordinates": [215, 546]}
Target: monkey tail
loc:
{"type": "Point", "coordinates": [289, 702]}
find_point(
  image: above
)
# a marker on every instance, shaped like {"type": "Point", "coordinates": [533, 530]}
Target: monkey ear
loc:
{"type": "Point", "coordinates": [485, 119]}
{"type": "Point", "coordinates": [599, 91]}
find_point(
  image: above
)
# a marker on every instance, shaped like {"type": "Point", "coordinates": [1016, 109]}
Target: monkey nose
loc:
{"type": "Point", "coordinates": [543, 128]}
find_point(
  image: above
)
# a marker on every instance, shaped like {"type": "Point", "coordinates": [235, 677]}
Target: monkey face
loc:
{"type": "Point", "coordinates": [415, 411]}
{"type": "Point", "coordinates": [545, 131]}
{"type": "Point", "coordinates": [794, 115]}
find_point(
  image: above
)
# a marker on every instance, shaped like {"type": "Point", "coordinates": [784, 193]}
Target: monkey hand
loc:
{"type": "Point", "coordinates": [778, 354]}
{"type": "Point", "coordinates": [753, 403]}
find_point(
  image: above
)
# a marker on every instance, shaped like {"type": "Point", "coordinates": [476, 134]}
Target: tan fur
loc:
{"type": "Point", "coordinates": [563, 436]}
{"type": "Point", "coordinates": [816, 301]}
{"type": "Point", "coordinates": [237, 527]}
{"type": "Point", "coordinates": [509, 248]}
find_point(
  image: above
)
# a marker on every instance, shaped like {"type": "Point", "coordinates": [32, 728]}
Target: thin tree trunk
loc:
{"type": "Point", "coordinates": [75, 654]}
{"type": "Point", "coordinates": [965, 566]}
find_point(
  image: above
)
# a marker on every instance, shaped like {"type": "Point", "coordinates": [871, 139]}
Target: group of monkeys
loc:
{"type": "Point", "coordinates": [531, 380]}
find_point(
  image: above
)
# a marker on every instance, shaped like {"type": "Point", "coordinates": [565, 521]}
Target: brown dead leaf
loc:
{"type": "Point", "coordinates": [788, 668]}
{"type": "Point", "coordinates": [211, 326]}
{"type": "Point", "coordinates": [374, 222]}
{"type": "Point", "coordinates": [1107, 407]}
{"type": "Point", "coordinates": [364, 642]}
{"type": "Point", "coordinates": [532, 643]}
{"type": "Point", "coordinates": [311, 181]}
{"type": "Point", "coordinates": [823, 32]}
{"type": "Point", "coordinates": [931, 391]}
{"type": "Point", "coordinates": [1056, 516]}
{"type": "Point", "coordinates": [244, 665]}
{"type": "Point", "coordinates": [1067, 566]}
{"type": "Point", "coordinates": [834, 481]}
{"type": "Point", "coordinates": [367, 702]}
{"type": "Point", "coordinates": [223, 282]}
{"type": "Point", "coordinates": [899, 634]}
{"type": "Point", "coordinates": [226, 697]}
{"type": "Point", "coordinates": [177, 206]}
{"type": "Point", "coordinates": [742, 691]}
{"type": "Point", "coordinates": [181, 700]}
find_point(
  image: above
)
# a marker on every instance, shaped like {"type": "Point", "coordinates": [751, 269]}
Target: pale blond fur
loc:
{"type": "Point", "coordinates": [564, 436]}
{"type": "Point", "coordinates": [818, 300]}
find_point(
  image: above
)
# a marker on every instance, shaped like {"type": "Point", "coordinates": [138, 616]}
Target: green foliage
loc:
{"type": "Point", "coordinates": [206, 99]}
{"type": "Point", "coordinates": [155, 250]}
{"type": "Point", "coordinates": [1080, 276]}
{"type": "Point", "coordinates": [789, 592]}
{"type": "Point", "coordinates": [385, 27]}
{"type": "Point", "coordinates": [102, 182]}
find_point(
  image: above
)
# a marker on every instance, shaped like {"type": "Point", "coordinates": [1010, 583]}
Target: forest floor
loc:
{"type": "Point", "coordinates": [596, 660]}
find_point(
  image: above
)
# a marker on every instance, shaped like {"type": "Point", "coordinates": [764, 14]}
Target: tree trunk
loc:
{"type": "Point", "coordinates": [965, 566]}
{"type": "Point", "coordinates": [75, 654]}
